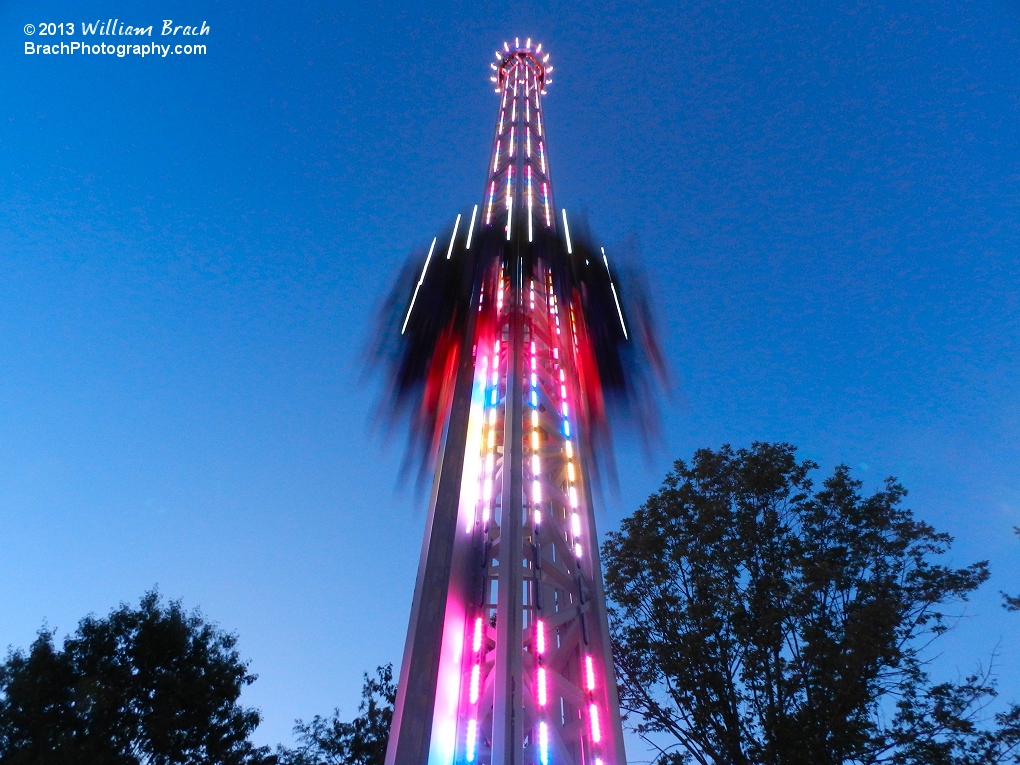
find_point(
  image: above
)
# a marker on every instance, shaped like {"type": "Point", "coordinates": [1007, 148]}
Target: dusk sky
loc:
{"type": "Point", "coordinates": [193, 250]}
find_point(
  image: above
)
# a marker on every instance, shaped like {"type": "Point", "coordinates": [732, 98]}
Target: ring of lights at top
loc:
{"type": "Point", "coordinates": [510, 56]}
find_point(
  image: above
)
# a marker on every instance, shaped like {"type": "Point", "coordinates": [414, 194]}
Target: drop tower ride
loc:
{"type": "Point", "coordinates": [508, 659]}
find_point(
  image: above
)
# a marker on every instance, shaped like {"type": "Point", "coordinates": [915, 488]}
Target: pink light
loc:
{"type": "Point", "coordinates": [542, 697]}
{"type": "Point", "coordinates": [577, 550]}
{"type": "Point", "coordinates": [476, 644]}
{"type": "Point", "coordinates": [538, 517]}
{"type": "Point", "coordinates": [540, 636]}
{"type": "Point", "coordinates": [476, 676]}
{"type": "Point", "coordinates": [589, 672]}
{"type": "Point", "coordinates": [596, 730]}
{"type": "Point", "coordinates": [575, 524]}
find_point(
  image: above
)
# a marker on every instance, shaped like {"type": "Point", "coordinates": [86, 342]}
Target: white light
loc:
{"type": "Point", "coordinates": [573, 497]}
{"type": "Point", "coordinates": [618, 311]}
{"type": "Point", "coordinates": [612, 286]}
{"type": "Point", "coordinates": [453, 238]}
{"type": "Point", "coordinates": [420, 280]}
{"type": "Point", "coordinates": [509, 215]}
{"type": "Point", "coordinates": [566, 230]}
{"type": "Point", "coordinates": [471, 735]}
{"type": "Point", "coordinates": [575, 524]}
{"type": "Point", "coordinates": [471, 229]}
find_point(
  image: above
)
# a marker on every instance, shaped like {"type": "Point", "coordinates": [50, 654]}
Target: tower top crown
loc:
{"type": "Point", "coordinates": [514, 55]}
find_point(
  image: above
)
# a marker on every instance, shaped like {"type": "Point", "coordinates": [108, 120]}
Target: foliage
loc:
{"type": "Point", "coordinates": [1011, 603]}
{"type": "Point", "coordinates": [759, 621]}
{"type": "Point", "coordinates": [331, 741]}
{"type": "Point", "coordinates": [152, 684]}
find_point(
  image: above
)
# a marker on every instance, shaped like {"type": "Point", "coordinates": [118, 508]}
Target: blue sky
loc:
{"type": "Point", "coordinates": [193, 248]}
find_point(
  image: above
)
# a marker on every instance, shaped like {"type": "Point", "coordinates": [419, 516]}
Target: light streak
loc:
{"type": "Point", "coordinates": [613, 287]}
{"type": "Point", "coordinates": [541, 155]}
{"type": "Point", "coordinates": [573, 496]}
{"type": "Point", "coordinates": [618, 311]}
{"type": "Point", "coordinates": [545, 199]}
{"type": "Point", "coordinates": [527, 135]}
{"type": "Point", "coordinates": [513, 131]}
{"type": "Point", "coordinates": [495, 159]}
{"type": "Point", "coordinates": [418, 286]}
{"type": "Point", "coordinates": [509, 217]}
{"type": "Point", "coordinates": [471, 736]}
{"type": "Point", "coordinates": [577, 550]}
{"type": "Point", "coordinates": [538, 121]}
{"type": "Point", "coordinates": [540, 636]}
{"type": "Point", "coordinates": [529, 198]}
{"type": "Point", "coordinates": [453, 237]}
{"type": "Point", "coordinates": [575, 524]}
{"type": "Point", "coordinates": [543, 743]}
{"type": "Point", "coordinates": [476, 643]}
{"type": "Point", "coordinates": [566, 230]}
{"type": "Point", "coordinates": [596, 730]}
{"type": "Point", "coordinates": [589, 673]}
{"type": "Point", "coordinates": [471, 228]}
{"type": "Point", "coordinates": [542, 695]}
{"type": "Point", "coordinates": [492, 194]}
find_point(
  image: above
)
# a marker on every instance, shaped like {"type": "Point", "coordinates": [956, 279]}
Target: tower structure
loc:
{"type": "Point", "coordinates": [508, 659]}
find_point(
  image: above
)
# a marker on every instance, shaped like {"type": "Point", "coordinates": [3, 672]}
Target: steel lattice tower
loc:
{"type": "Point", "coordinates": [508, 659]}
